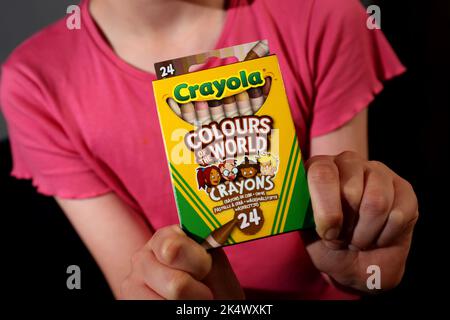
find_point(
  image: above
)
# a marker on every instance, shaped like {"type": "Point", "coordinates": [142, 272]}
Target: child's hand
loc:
{"type": "Point", "coordinates": [173, 266]}
{"type": "Point", "coordinates": [365, 215]}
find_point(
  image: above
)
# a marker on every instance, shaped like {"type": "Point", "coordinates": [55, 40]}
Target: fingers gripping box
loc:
{"type": "Point", "coordinates": [233, 153]}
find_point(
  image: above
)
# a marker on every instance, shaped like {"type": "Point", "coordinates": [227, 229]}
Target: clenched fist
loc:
{"type": "Point", "coordinates": [365, 215]}
{"type": "Point", "coordinates": [173, 266]}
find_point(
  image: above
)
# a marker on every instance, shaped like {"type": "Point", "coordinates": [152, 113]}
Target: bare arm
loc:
{"type": "Point", "coordinates": [111, 230]}
{"type": "Point", "coordinates": [351, 137]}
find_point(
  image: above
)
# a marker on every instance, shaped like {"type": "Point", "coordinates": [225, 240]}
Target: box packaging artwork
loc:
{"type": "Point", "coordinates": [232, 149]}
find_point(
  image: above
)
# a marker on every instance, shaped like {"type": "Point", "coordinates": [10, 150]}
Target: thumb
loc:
{"type": "Point", "coordinates": [221, 279]}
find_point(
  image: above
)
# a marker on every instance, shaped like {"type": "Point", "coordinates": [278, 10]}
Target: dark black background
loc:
{"type": "Point", "coordinates": [408, 131]}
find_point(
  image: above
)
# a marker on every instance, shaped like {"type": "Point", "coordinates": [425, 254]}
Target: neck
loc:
{"type": "Point", "coordinates": [143, 32]}
{"type": "Point", "coordinates": [146, 17]}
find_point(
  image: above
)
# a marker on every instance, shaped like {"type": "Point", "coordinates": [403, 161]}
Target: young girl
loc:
{"type": "Point", "coordinates": [83, 126]}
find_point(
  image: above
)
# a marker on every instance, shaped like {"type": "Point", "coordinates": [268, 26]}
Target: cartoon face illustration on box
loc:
{"type": "Point", "coordinates": [227, 171]}
{"type": "Point", "coordinates": [235, 184]}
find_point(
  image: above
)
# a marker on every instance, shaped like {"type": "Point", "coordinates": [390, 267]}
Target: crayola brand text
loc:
{"type": "Point", "coordinates": [218, 88]}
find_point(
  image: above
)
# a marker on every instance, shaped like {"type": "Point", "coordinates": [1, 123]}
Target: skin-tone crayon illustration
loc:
{"type": "Point", "coordinates": [216, 109]}
{"type": "Point", "coordinates": [208, 177]}
{"type": "Point", "coordinates": [202, 112]}
{"type": "Point", "coordinates": [230, 107]}
{"type": "Point", "coordinates": [248, 169]}
{"type": "Point", "coordinates": [219, 236]}
{"type": "Point", "coordinates": [268, 164]}
{"type": "Point", "coordinates": [261, 49]}
{"type": "Point", "coordinates": [228, 170]}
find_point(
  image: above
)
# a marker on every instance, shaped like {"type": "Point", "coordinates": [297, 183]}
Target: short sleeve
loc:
{"type": "Point", "coordinates": [40, 146]}
{"type": "Point", "coordinates": [349, 62]}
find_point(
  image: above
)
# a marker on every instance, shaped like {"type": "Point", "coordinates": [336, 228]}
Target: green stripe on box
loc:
{"type": "Point", "coordinates": [299, 213]}
{"type": "Point", "coordinates": [195, 203]}
{"type": "Point", "coordinates": [194, 197]}
{"type": "Point", "coordinates": [190, 220]}
{"type": "Point", "coordinates": [280, 200]}
{"type": "Point", "coordinates": [291, 177]}
{"type": "Point", "coordinates": [203, 209]}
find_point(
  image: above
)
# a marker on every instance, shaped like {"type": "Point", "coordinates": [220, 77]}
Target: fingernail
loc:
{"type": "Point", "coordinates": [332, 234]}
{"type": "Point", "coordinates": [353, 248]}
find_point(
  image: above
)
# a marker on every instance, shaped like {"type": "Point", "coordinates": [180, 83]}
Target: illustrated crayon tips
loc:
{"type": "Point", "coordinates": [230, 107]}
{"type": "Point", "coordinates": [266, 86]}
{"type": "Point", "coordinates": [188, 112]}
{"type": "Point", "coordinates": [216, 110]}
{"type": "Point", "coordinates": [202, 112]}
{"type": "Point", "coordinates": [256, 98]}
{"type": "Point", "coordinates": [218, 237]}
{"type": "Point", "coordinates": [174, 106]}
{"type": "Point", "coordinates": [244, 104]}
{"type": "Point", "coordinates": [261, 49]}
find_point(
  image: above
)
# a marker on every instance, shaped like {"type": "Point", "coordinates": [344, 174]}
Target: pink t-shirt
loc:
{"type": "Point", "coordinates": [82, 122]}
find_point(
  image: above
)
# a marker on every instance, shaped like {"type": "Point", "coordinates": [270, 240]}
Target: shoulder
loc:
{"type": "Point", "coordinates": [41, 67]}
{"type": "Point", "coordinates": [337, 6]}
{"type": "Point", "coordinates": [284, 9]}
{"type": "Point", "coordinates": [342, 12]}
{"type": "Point", "coordinates": [310, 18]}
{"type": "Point", "coordinates": [297, 10]}
{"type": "Point", "coordinates": [44, 53]}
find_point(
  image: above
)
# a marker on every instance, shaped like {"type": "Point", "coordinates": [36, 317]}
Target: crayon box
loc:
{"type": "Point", "coordinates": [232, 149]}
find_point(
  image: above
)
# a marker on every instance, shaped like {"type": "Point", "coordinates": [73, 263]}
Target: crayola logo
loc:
{"type": "Point", "coordinates": [217, 89]}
